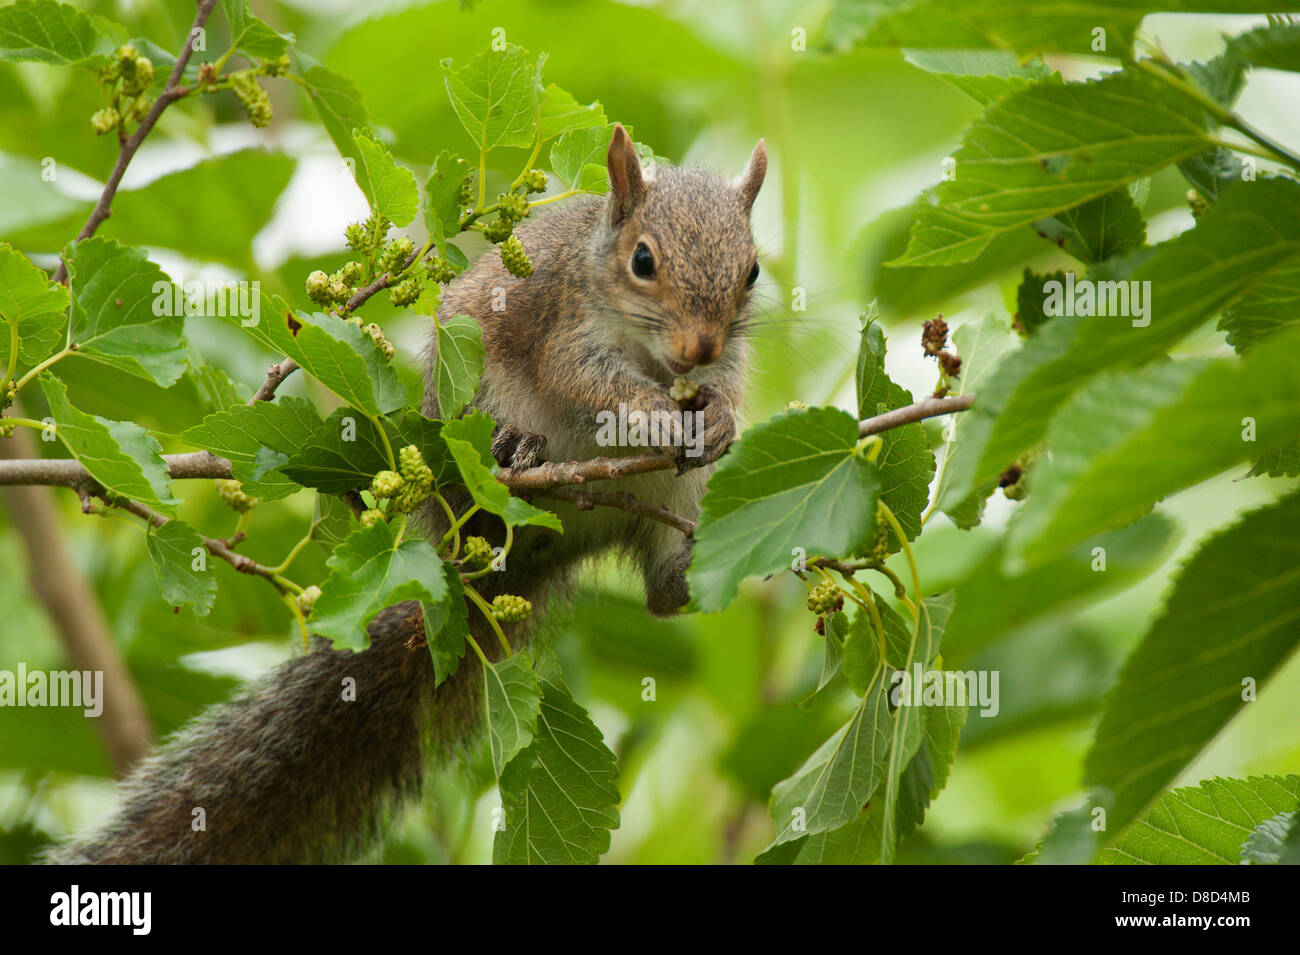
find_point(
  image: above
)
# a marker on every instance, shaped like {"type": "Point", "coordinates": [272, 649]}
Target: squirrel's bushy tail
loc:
{"type": "Point", "coordinates": [290, 771]}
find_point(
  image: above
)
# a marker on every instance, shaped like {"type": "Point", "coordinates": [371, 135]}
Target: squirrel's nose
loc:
{"type": "Point", "coordinates": [699, 350]}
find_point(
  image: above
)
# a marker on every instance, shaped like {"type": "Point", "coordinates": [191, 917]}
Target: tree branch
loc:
{"type": "Point", "coordinates": [585, 500]}
{"type": "Point", "coordinates": [170, 94]}
{"type": "Point", "coordinates": [65, 472]}
{"type": "Point", "coordinates": [378, 285]}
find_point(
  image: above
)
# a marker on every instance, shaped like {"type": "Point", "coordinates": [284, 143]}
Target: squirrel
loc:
{"type": "Point", "coordinates": [628, 292]}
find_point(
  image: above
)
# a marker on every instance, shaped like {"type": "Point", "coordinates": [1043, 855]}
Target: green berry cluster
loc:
{"type": "Point", "coordinates": [515, 259]}
{"type": "Point", "coordinates": [886, 542]}
{"type": "Point", "coordinates": [498, 230]}
{"type": "Point", "coordinates": [104, 120]}
{"type": "Point", "coordinates": [393, 259]}
{"type": "Point", "coordinates": [440, 270]}
{"type": "Point", "coordinates": [467, 192]}
{"type": "Point", "coordinates": [405, 491]}
{"type": "Point", "coordinates": [477, 553]}
{"type": "Point", "coordinates": [307, 599]}
{"type": "Point", "coordinates": [232, 492]}
{"type": "Point", "coordinates": [511, 608]}
{"type": "Point", "coordinates": [378, 337]}
{"type": "Point", "coordinates": [125, 80]}
{"type": "Point", "coordinates": [251, 95]}
{"type": "Point", "coordinates": [368, 518]}
{"type": "Point", "coordinates": [385, 484]}
{"type": "Point", "coordinates": [534, 180]}
{"type": "Point", "coordinates": [9, 395]}
{"type": "Point", "coordinates": [406, 292]}
{"type": "Point", "coordinates": [512, 207]}
{"type": "Point", "coordinates": [825, 598]}
{"type": "Point", "coordinates": [276, 67]}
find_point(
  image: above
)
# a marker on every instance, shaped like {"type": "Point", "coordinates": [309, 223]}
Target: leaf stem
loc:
{"type": "Point", "coordinates": [491, 619]}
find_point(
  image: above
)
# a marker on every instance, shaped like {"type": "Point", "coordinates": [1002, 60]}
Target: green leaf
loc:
{"type": "Point", "coordinates": [1110, 443]}
{"type": "Point", "coordinates": [1050, 148]}
{"type": "Point", "coordinates": [559, 112]}
{"type": "Point", "coordinates": [1233, 614]}
{"type": "Point", "coordinates": [33, 306]}
{"type": "Point", "coordinates": [494, 97]}
{"type": "Point", "coordinates": [346, 451]}
{"type": "Point", "coordinates": [446, 625]}
{"type": "Point", "coordinates": [242, 432]}
{"type": "Point", "coordinates": [1270, 306]}
{"type": "Point", "coordinates": [337, 101]}
{"type": "Point", "coordinates": [469, 440]}
{"type": "Point", "coordinates": [1275, 47]}
{"type": "Point", "coordinates": [390, 189]}
{"type": "Point", "coordinates": [459, 363]}
{"type": "Point", "coordinates": [513, 698]}
{"type": "Point", "coordinates": [442, 196]}
{"type": "Point", "coordinates": [120, 455]}
{"type": "Point", "coordinates": [369, 571]}
{"type": "Point", "coordinates": [1274, 841]}
{"type": "Point", "coordinates": [173, 548]}
{"type": "Point", "coordinates": [120, 315]}
{"type": "Point", "coordinates": [42, 31]}
{"type": "Point", "coordinates": [795, 481]}
{"type": "Point", "coordinates": [1073, 838]}
{"type": "Point", "coordinates": [905, 461]}
{"type": "Point", "coordinates": [1098, 229]}
{"type": "Point", "coordinates": [250, 34]}
{"type": "Point", "coordinates": [830, 789]}
{"type": "Point", "coordinates": [995, 604]}
{"type": "Point", "coordinates": [560, 795]}
{"type": "Point", "coordinates": [984, 75]}
{"type": "Point", "coordinates": [1204, 825]}
{"type": "Point", "coordinates": [1252, 231]}
{"type": "Point", "coordinates": [335, 352]}
{"type": "Point", "coordinates": [860, 652]}
{"type": "Point", "coordinates": [578, 157]}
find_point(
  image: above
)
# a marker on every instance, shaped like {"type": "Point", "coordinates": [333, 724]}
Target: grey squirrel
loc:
{"type": "Point", "coordinates": [628, 292]}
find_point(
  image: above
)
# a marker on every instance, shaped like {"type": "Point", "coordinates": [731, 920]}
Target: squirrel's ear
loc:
{"type": "Point", "coordinates": [749, 181]}
{"type": "Point", "coordinates": [626, 185]}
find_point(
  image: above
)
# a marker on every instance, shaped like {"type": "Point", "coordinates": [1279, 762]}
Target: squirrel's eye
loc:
{"type": "Point", "coordinates": [753, 276]}
{"type": "Point", "coordinates": [643, 262]}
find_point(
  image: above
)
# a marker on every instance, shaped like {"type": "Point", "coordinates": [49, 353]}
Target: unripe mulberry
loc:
{"type": "Point", "coordinates": [137, 75]}
{"type": "Point", "coordinates": [414, 468]}
{"type": "Point", "coordinates": [405, 292]}
{"type": "Point", "coordinates": [478, 552]}
{"type": "Point", "coordinates": [256, 102]}
{"type": "Point", "coordinates": [386, 484]}
{"type": "Point", "coordinates": [885, 543]}
{"type": "Point", "coordinates": [232, 493]}
{"type": "Point", "coordinates": [683, 390]}
{"type": "Point", "coordinates": [370, 517]}
{"type": "Point", "coordinates": [318, 287]}
{"type": "Point", "coordinates": [498, 230]}
{"type": "Point", "coordinates": [515, 259]}
{"type": "Point", "coordinates": [534, 180]}
{"type": "Point", "coordinates": [307, 599]}
{"type": "Point", "coordinates": [393, 259]}
{"type": "Point", "coordinates": [440, 270]}
{"type": "Point", "coordinates": [511, 608]}
{"type": "Point", "coordinates": [105, 120]}
{"type": "Point", "coordinates": [355, 236]}
{"type": "Point", "coordinates": [825, 598]}
{"type": "Point", "coordinates": [512, 207]}
{"type": "Point", "coordinates": [351, 274]}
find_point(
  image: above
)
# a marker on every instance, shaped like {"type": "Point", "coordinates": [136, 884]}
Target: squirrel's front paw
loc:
{"type": "Point", "coordinates": [714, 430]}
{"type": "Point", "coordinates": [515, 448]}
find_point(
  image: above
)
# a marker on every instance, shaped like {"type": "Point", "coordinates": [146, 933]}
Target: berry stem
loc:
{"type": "Point", "coordinates": [482, 604]}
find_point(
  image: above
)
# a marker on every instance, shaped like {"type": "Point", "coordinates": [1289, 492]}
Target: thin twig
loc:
{"type": "Point", "coordinates": [585, 500]}
{"type": "Point", "coordinates": [215, 547]}
{"type": "Point", "coordinates": [170, 94]}
{"type": "Point", "coordinates": [275, 376]}
{"type": "Point", "coordinates": [378, 285]}
{"type": "Point", "coordinates": [909, 414]}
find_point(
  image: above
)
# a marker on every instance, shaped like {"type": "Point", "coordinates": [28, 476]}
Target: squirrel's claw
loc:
{"type": "Point", "coordinates": [515, 448]}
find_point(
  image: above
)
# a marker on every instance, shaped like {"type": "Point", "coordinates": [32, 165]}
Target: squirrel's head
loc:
{"type": "Point", "coordinates": [679, 261]}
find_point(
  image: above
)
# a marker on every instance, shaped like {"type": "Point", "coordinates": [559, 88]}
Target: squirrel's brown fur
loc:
{"type": "Point", "coordinates": [291, 772]}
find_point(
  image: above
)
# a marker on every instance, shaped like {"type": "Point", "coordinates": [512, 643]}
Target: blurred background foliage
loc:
{"type": "Point", "coordinates": [855, 134]}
